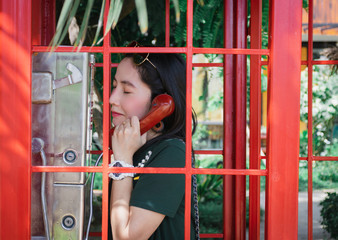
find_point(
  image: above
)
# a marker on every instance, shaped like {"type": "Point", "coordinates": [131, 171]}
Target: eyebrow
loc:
{"type": "Point", "coordinates": [126, 82]}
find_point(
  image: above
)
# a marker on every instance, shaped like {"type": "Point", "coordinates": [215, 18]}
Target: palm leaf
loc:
{"type": "Point", "coordinates": [177, 10]}
{"type": "Point", "coordinates": [142, 15]}
{"type": "Point", "coordinates": [61, 22]}
{"type": "Point", "coordinates": [113, 16]}
{"type": "Point", "coordinates": [84, 24]}
{"type": "Point", "coordinates": [71, 15]}
{"type": "Point", "coordinates": [100, 23]}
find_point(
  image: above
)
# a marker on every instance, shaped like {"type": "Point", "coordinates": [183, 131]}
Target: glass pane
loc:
{"type": "Point", "coordinates": [325, 28]}
{"type": "Point", "coordinates": [208, 24]}
{"type": "Point", "coordinates": [210, 203]}
{"type": "Point", "coordinates": [207, 100]}
{"type": "Point", "coordinates": [303, 141]}
{"type": "Point", "coordinates": [325, 111]}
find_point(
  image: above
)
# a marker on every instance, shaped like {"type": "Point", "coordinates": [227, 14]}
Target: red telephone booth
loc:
{"type": "Point", "coordinates": [27, 29]}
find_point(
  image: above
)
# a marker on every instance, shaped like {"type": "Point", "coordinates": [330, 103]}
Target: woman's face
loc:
{"type": "Point", "coordinates": [130, 96]}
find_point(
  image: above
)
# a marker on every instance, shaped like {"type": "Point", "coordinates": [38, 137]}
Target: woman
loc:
{"type": "Point", "coordinates": [149, 206]}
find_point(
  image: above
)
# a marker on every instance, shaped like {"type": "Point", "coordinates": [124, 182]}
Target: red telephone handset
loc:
{"type": "Point", "coordinates": [162, 106]}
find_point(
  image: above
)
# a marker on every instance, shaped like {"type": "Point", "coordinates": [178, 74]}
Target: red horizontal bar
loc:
{"type": "Point", "coordinates": [66, 49]}
{"type": "Point", "coordinates": [95, 234]}
{"type": "Point", "coordinates": [207, 64]}
{"type": "Point", "coordinates": [147, 50]}
{"type": "Point", "coordinates": [155, 50]}
{"type": "Point", "coordinates": [243, 51]}
{"type": "Point", "coordinates": [212, 152]}
{"type": "Point", "coordinates": [314, 62]}
{"type": "Point", "coordinates": [194, 65]}
{"type": "Point", "coordinates": [214, 171]}
{"type": "Point", "coordinates": [325, 158]}
{"type": "Point", "coordinates": [65, 169]}
{"type": "Point", "coordinates": [324, 62]}
{"type": "Point", "coordinates": [202, 235]}
{"type": "Point", "coordinates": [211, 235]}
{"type": "Point", "coordinates": [101, 64]}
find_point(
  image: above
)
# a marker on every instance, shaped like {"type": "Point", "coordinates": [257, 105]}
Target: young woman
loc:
{"type": "Point", "coordinates": [149, 206]}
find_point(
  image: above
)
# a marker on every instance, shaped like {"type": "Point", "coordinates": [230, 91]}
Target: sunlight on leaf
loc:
{"type": "Point", "coordinates": [142, 15]}
{"type": "Point", "coordinates": [69, 21]}
{"type": "Point", "coordinates": [62, 19]}
{"type": "Point", "coordinates": [177, 10]}
{"type": "Point", "coordinates": [100, 23]}
{"type": "Point", "coordinates": [113, 16]}
{"type": "Point", "coordinates": [84, 25]}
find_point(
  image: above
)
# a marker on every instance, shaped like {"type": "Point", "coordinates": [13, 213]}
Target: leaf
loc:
{"type": "Point", "coordinates": [177, 10]}
{"type": "Point", "coordinates": [117, 12]}
{"type": "Point", "coordinates": [113, 16]}
{"type": "Point", "coordinates": [70, 18]}
{"type": "Point", "coordinates": [61, 22]}
{"type": "Point", "coordinates": [142, 15]}
{"type": "Point", "coordinates": [100, 22]}
{"type": "Point", "coordinates": [84, 24]}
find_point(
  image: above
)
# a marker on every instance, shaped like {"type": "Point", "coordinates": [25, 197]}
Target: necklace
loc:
{"type": "Point", "coordinates": [145, 159]}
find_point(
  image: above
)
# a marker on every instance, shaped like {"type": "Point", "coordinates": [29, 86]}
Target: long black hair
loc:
{"type": "Point", "coordinates": [167, 74]}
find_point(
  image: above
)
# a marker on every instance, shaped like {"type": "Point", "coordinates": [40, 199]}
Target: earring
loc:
{"type": "Point", "coordinates": [158, 127]}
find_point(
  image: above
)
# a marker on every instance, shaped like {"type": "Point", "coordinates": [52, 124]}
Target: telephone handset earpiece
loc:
{"type": "Point", "coordinates": [162, 106]}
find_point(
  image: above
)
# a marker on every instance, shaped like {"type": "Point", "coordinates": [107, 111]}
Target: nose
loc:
{"type": "Point", "coordinates": [114, 98]}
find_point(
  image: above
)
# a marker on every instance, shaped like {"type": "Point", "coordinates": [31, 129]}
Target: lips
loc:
{"type": "Point", "coordinates": [116, 114]}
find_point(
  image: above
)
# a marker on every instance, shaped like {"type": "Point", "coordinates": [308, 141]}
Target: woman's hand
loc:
{"type": "Point", "coordinates": [126, 140]}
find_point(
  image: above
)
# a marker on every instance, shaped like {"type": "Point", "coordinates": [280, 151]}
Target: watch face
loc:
{"type": "Point", "coordinates": [117, 164]}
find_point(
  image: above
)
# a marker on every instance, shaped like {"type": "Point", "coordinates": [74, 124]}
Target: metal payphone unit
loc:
{"type": "Point", "coordinates": [60, 120]}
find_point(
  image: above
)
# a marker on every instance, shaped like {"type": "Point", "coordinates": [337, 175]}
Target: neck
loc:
{"type": "Point", "coordinates": [152, 134]}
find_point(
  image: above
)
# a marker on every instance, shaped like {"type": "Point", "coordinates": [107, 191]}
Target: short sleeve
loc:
{"type": "Point", "coordinates": [162, 193]}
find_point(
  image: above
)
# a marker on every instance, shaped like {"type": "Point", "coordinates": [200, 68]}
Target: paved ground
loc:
{"type": "Point", "coordinates": [318, 231]}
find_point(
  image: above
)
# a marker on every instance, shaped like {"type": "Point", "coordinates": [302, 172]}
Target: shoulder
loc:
{"type": "Point", "coordinates": [168, 153]}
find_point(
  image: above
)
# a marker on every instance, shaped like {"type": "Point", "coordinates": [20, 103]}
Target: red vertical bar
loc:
{"type": "Point", "coordinates": [310, 145]}
{"type": "Point", "coordinates": [36, 23]}
{"type": "Point", "coordinates": [282, 133]}
{"type": "Point", "coordinates": [187, 213]}
{"type": "Point", "coordinates": [255, 119]}
{"type": "Point", "coordinates": [106, 124]}
{"type": "Point", "coordinates": [228, 123]}
{"type": "Point", "coordinates": [43, 21]}
{"type": "Point", "coordinates": [167, 23]}
{"type": "Point", "coordinates": [240, 139]}
{"type": "Point", "coordinates": [47, 21]}
{"type": "Point", "coordinates": [15, 118]}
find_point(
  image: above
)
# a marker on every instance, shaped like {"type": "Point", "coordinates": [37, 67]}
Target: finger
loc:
{"type": "Point", "coordinates": [126, 123]}
{"type": "Point", "coordinates": [135, 123]}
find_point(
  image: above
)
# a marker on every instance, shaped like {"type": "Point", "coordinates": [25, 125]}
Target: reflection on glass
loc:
{"type": "Point", "coordinates": [325, 111]}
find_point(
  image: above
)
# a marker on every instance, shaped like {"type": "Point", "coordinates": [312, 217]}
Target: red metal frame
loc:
{"type": "Point", "coordinates": [284, 71]}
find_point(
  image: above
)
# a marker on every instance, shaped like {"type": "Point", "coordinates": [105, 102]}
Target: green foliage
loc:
{"type": "Point", "coordinates": [211, 217]}
{"type": "Point", "coordinates": [324, 175]}
{"type": "Point", "coordinates": [325, 111]}
{"type": "Point", "coordinates": [329, 214]}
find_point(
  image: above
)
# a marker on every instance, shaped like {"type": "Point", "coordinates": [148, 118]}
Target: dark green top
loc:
{"type": "Point", "coordinates": [163, 193]}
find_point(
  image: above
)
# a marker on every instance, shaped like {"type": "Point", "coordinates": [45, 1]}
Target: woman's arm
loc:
{"type": "Point", "coordinates": [129, 222]}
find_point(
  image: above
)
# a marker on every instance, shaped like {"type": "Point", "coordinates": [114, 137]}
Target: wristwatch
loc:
{"type": "Point", "coordinates": [120, 176]}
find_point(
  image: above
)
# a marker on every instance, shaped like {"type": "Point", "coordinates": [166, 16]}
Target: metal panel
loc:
{"type": "Point", "coordinates": [62, 124]}
{"type": "Point", "coordinates": [69, 214]}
